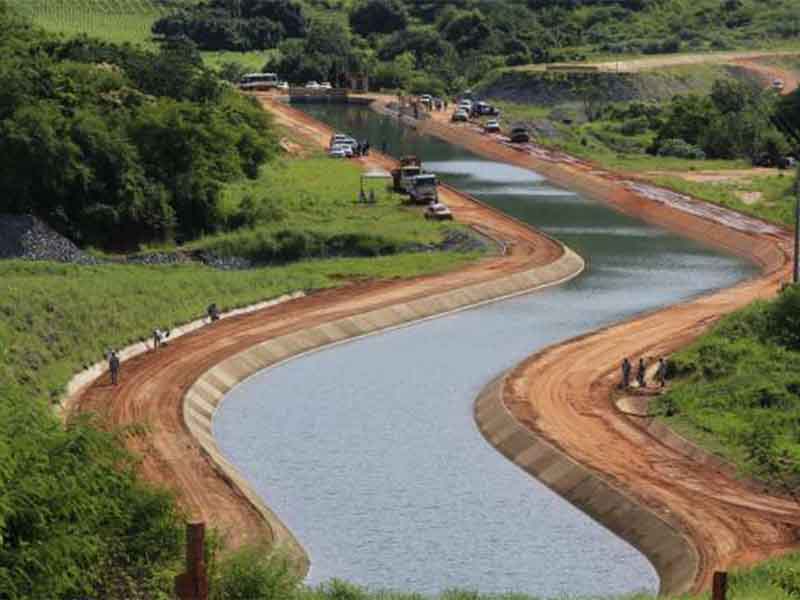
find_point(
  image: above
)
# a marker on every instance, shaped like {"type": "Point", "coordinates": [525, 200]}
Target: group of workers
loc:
{"type": "Point", "coordinates": [159, 339]}
{"type": "Point", "coordinates": [641, 373]}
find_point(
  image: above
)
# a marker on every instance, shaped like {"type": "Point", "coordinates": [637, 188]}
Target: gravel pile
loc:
{"type": "Point", "coordinates": [158, 259]}
{"type": "Point", "coordinates": [224, 263]}
{"type": "Point", "coordinates": [28, 238]}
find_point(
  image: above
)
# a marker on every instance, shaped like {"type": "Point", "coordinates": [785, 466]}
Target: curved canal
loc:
{"type": "Point", "coordinates": [369, 452]}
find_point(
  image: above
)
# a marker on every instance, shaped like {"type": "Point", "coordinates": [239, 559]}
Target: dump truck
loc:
{"type": "Point", "coordinates": [410, 167]}
{"type": "Point", "coordinates": [423, 189]}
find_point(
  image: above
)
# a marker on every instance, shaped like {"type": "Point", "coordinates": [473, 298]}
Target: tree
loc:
{"type": "Point", "coordinates": [378, 16]}
{"type": "Point", "coordinates": [467, 30]}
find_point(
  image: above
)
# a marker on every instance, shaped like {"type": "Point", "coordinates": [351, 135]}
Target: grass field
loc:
{"type": "Point", "coordinates": [114, 20]}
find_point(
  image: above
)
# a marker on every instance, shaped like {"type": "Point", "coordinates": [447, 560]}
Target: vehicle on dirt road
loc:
{"type": "Point", "coordinates": [424, 189]}
{"type": "Point", "coordinates": [492, 126]}
{"type": "Point", "coordinates": [777, 85]}
{"type": "Point", "coordinates": [460, 116]}
{"type": "Point", "coordinates": [338, 152]}
{"type": "Point", "coordinates": [438, 212]}
{"type": "Point", "coordinates": [484, 109]}
{"type": "Point", "coordinates": [312, 85]}
{"type": "Point", "coordinates": [410, 167]}
{"type": "Point", "coordinates": [519, 135]}
{"type": "Point", "coordinates": [258, 81]}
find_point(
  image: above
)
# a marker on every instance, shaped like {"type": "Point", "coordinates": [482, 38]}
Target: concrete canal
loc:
{"type": "Point", "coordinates": [369, 452]}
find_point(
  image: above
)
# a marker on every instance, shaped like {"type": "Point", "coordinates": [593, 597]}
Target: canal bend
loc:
{"type": "Point", "coordinates": [369, 452]}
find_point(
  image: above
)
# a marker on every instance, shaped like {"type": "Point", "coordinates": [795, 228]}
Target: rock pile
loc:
{"type": "Point", "coordinates": [26, 237]}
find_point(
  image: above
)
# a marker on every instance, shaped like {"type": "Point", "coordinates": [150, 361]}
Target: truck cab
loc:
{"type": "Point", "coordinates": [423, 189]}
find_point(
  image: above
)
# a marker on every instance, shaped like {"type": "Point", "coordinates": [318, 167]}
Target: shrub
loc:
{"type": "Point", "coordinates": [251, 574]}
{"type": "Point", "coordinates": [680, 149]}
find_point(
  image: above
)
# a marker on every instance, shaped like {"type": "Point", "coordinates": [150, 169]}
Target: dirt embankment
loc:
{"type": "Point", "coordinates": [153, 385]}
{"type": "Point", "coordinates": [564, 394]}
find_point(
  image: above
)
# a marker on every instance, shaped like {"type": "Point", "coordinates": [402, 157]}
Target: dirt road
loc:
{"type": "Point", "coordinates": [153, 384]}
{"type": "Point", "coordinates": [564, 393]}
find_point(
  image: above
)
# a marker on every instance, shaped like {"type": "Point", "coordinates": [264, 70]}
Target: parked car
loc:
{"type": "Point", "coordinates": [492, 126]}
{"type": "Point", "coordinates": [460, 115]}
{"type": "Point", "coordinates": [486, 110]}
{"type": "Point", "coordinates": [312, 85]}
{"type": "Point", "coordinates": [349, 150]}
{"type": "Point", "coordinates": [326, 85]}
{"type": "Point", "coordinates": [283, 85]}
{"type": "Point", "coordinates": [778, 84]}
{"type": "Point", "coordinates": [438, 212]}
{"type": "Point", "coordinates": [337, 152]}
{"type": "Point", "coordinates": [520, 135]}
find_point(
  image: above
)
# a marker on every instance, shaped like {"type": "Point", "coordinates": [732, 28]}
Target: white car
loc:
{"type": "Point", "coordinates": [325, 85]}
{"type": "Point", "coordinates": [460, 115]}
{"type": "Point", "coordinates": [312, 85]}
{"type": "Point", "coordinates": [492, 126]}
{"type": "Point", "coordinates": [778, 85]}
{"type": "Point", "coordinates": [346, 148]}
{"type": "Point", "coordinates": [438, 212]}
{"type": "Point", "coordinates": [337, 152]}
{"type": "Point", "coordinates": [283, 85]}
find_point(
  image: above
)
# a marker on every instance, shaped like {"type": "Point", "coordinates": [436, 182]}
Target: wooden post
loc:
{"type": "Point", "coordinates": [193, 584]}
{"type": "Point", "coordinates": [720, 587]}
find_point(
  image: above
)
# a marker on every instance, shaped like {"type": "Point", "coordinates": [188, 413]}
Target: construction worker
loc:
{"type": "Point", "coordinates": [626, 373]}
{"type": "Point", "coordinates": [213, 312]}
{"type": "Point", "coordinates": [113, 366]}
{"type": "Point", "coordinates": [640, 373]}
{"type": "Point", "coordinates": [156, 338]}
{"type": "Point", "coordinates": [661, 372]}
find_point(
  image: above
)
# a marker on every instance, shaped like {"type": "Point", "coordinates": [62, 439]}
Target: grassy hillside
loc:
{"type": "Point", "coordinates": [113, 20]}
{"type": "Point", "coordinates": [738, 390]}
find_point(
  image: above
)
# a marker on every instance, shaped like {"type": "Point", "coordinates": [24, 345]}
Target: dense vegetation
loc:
{"type": "Point", "coordinates": [739, 386]}
{"type": "Point", "coordinates": [99, 139]}
{"type": "Point", "coordinates": [418, 44]}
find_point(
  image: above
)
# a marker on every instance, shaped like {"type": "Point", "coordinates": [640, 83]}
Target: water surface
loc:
{"type": "Point", "coordinates": [369, 451]}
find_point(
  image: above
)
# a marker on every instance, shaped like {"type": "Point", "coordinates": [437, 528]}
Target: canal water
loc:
{"type": "Point", "coordinates": [369, 452]}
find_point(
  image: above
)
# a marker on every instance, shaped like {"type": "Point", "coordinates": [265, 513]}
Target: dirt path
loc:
{"type": "Point", "coordinates": [153, 384]}
{"type": "Point", "coordinates": [565, 393]}
{"type": "Point", "coordinates": [769, 73]}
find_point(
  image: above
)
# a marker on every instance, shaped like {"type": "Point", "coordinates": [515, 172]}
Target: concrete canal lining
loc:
{"type": "Point", "coordinates": [204, 397]}
{"type": "Point", "coordinates": [673, 555]}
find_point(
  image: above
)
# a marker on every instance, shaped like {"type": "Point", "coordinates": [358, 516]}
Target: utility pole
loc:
{"type": "Point", "coordinates": [796, 278]}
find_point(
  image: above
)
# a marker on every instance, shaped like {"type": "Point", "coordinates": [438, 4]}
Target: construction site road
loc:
{"type": "Point", "coordinates": [564, 393]}
{"type": "Point", "coordinates": [153, 385]}
{"type": "Point", "coordinates": [762, 62]}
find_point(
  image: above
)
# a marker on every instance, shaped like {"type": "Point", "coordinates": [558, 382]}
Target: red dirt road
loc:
{"type": "Point", "coordinates": [153, 385]}
{"type": "Point", "coordinates": [564, 393]}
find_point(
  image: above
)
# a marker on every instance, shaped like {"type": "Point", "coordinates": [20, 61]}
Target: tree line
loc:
{"type": "Point", "coordinates": [116, 145]}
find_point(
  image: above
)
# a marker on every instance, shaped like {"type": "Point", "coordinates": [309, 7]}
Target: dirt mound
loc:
{"type": "Point", "coordinates": [26, 237]}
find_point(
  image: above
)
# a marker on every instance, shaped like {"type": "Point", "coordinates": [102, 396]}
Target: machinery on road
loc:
{"type": "Point", "coordinates": [423, 189]}
{"type": "Point", "coordinates": [402, 177]}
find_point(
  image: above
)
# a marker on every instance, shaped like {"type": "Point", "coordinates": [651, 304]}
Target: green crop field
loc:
{"type": "Point", "coordinates": [114, 20]}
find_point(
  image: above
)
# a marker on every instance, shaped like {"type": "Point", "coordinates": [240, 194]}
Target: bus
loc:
{"type": "Point", "coordinates": [259, 81]}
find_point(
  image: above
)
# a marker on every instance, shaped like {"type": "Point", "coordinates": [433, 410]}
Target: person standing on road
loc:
{"type": "Point", "coordinates": [626, 373]}
{"type": "Point", "coordinates": [156, 338]}
{"type": "Point", "coordinates": [661, 373]}
{"type": "Point", "coordinates": [113, 366]}
{"type": "Point", "coordinates": [640, 373]}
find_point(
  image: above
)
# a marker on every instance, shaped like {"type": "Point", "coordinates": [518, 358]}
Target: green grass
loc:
{"type": "Point", "coordinates": [320, 195]}
{"type": "Point", "coordinates": [776, 204]}
{"type": "Point", "coordinates": [56, 319]}
{"type": "Point", "coordinates": [118, 21]}
{"type": "Point", "coordinates": [113, 20]}
{"type": "Point", "coordinates": [737, 391]}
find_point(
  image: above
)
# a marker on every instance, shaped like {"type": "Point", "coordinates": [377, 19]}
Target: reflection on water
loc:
{"type": "Point", "coordinates": [369, 451]}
